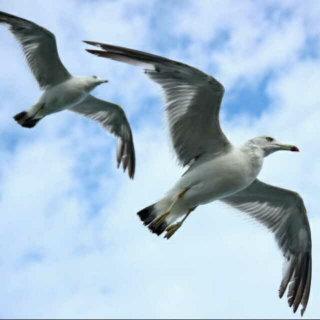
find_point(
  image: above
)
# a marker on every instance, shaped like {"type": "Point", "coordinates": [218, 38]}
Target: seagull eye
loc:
{"type": "Point", "coordinates": [269, 139]}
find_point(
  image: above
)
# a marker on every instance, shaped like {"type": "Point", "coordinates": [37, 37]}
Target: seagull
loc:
{"type": "Point", "coordinates": [62, 91]}
{"type": "Point", "coordinates": [217, 170]}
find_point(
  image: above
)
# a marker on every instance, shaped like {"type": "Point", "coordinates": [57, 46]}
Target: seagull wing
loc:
{"type": "Point", "coordinates": [193, 101]}
{"type": "Point", "coordinates": [40, 49]}
{"type": "Point", "coordinates": [283, 212]}
{"type": "Point", "coordinates": [113, 119]}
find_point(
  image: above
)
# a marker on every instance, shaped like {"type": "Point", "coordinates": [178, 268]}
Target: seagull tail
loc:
{"type": "Point", "coordinates": [25, 121]}
{"type": "Point", "coordinates": [147, 215]}
{"type": "Point", "coordinates": [29, 118]}
{"type": "Point", "coordinates": [150, 213]}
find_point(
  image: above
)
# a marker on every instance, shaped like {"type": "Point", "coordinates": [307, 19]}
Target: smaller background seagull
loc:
{"type": "Point", "coordinates": [62, 91]}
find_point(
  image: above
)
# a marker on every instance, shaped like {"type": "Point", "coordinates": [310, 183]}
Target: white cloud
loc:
{"type": "Point", "coordinates": [72, 245]}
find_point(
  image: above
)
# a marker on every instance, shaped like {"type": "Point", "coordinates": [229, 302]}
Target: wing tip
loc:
{"type": "Point", "coordinates": [281, 291]}
{"type": "Point", "coordinates": [298, 282]}
{"type": "Point", "coordinates": [126, 155]}
{"type": "Point", "coordinates": [92, 43]}
{"type": "Point", "coordinates": [95, 52]}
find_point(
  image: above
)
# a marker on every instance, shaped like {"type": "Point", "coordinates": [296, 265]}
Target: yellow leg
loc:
{"type": "Point", "coordinates": [172, 229]}
{"type": "Point", "coordinates": [40, 109]}
{"type": "Point", "coordinates": [162, 217]}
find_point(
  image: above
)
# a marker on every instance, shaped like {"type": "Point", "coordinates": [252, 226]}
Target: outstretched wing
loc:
{"type": "Point", "coordinates": [193, 101]}
{"type": "Point", "coordinates": [113, 119]}
{"type": "Point", "coordinates": [40, 49]}
{"type": "Point", "coordinates": [282, 212]}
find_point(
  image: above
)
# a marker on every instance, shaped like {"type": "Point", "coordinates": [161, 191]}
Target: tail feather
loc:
{"type": "Point", "coordinates": [25, 121]}
{"type": "Point", "coordinates": [147, 215]}
{"type": "Point", "coordinates": [159, 229]}
{"type": "Point", "coordinates": [18, 117]}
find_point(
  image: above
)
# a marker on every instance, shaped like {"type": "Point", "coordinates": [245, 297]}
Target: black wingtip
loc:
{"type": "Point", "coordinates": [94, 43]}
{"type": "Point", "coordinates": [132, 164]}
{"type": "Point", "coordinates": [89, 42]}
{"type": "Point", "coordinates": [95, 52]}
{"type": "Point", "coordinates": [90, 50]}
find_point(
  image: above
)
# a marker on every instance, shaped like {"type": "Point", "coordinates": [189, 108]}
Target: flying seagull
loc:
{"type": "Point", "coordinates": [62, 91]}
{"type": "Point", "coordinates": [217, 170]}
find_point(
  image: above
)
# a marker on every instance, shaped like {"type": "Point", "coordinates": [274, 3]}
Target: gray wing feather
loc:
{"type": "Point", "coordinates": [193, 101]}
{"type": "Point", "coordinates": [40, 49]}
{"type": "Point", "coordinates": [113, 119]}
{"type": "Point", "coordinates": [282, 212]}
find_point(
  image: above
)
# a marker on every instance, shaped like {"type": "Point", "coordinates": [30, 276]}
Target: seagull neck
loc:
{"type": "Point", "coordinates": [255, 152]}
{"type": "Point", "coordinates": [254, 157]}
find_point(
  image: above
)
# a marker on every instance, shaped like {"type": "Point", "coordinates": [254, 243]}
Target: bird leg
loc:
{"type": "Point", "coordinates": [40, 108]}
{"type": "Point", "coordinates": [162, 217]}
{"type": "Point", "coordinates": [172, 229]}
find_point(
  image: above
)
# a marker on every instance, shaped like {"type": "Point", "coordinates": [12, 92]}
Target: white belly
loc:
{"type": "Point", "coordinates": [63, 96]}
{"type": "Point", "coordinates": [219, 178]}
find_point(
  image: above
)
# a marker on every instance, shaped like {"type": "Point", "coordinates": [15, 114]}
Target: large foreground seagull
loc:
{"type": "Point", "coordinates": [65, 92]}
{"type": "Point", "coordinates": [220, 171]}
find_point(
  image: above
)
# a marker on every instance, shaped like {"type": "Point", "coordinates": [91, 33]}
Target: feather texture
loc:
{"type": "Point", "coordinates": [282, 212]}
{"type": "Point", "coordinates": [113, 119]}
{"type": "Point", "coordinates": [193, 101]}
{"type": "Point", "coordinates": [40, 49]}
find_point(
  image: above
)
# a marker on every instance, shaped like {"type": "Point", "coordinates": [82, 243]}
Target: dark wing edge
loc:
{"type": "Point", "coordinates": [282, 212]}
{"type": "Point", "coordinates": [112, 118]}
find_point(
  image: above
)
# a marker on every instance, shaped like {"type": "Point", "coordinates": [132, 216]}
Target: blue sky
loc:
{"type": "Point", "coordinates": [72, 245]}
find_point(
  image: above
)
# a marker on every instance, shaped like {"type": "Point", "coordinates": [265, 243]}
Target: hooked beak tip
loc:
{"type": "Point", "coordinates": [294, 149]}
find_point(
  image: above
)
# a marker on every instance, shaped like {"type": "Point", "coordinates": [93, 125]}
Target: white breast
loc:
{"type": "Point", "coordinates": [64, 95]}
{"type": "Point", "coordinates": [221, 176]}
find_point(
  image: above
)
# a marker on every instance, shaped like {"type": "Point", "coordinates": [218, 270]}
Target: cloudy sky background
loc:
{"type": "Point", "coordinates": [71, 243]}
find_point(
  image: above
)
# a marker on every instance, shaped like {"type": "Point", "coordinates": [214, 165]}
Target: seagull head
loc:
{"type": "Point", "coordinates": [270, 145]}
{"type": "Point", "coordinates": [96, 80]}
{"type": "Point", "coordinates": [93, 81]}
